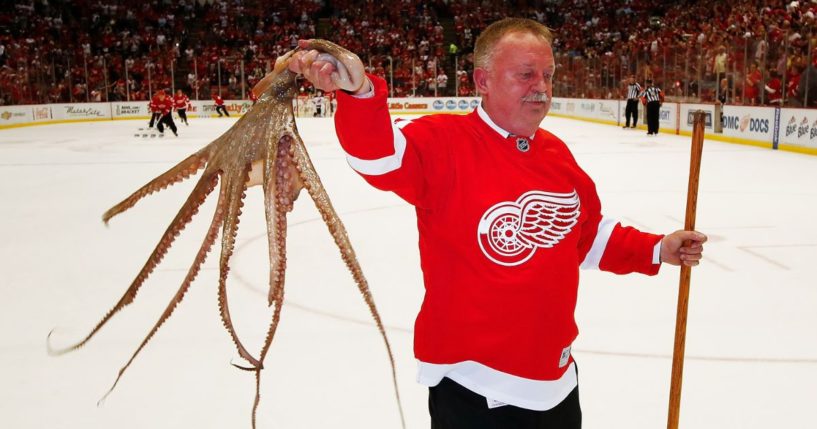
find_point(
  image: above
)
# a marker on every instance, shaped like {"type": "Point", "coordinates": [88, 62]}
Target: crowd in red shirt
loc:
{"type": "Point", "coordinates": [90, 50]}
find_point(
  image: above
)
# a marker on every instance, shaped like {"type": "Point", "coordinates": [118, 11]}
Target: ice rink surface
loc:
{"type": "Point", "coordinates": [751, 337]}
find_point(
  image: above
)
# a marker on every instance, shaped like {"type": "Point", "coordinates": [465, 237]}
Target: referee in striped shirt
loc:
{"type": "Point", "coordinates": [633, 91]}
{"type": "Point", "coordinates": [653, 97]}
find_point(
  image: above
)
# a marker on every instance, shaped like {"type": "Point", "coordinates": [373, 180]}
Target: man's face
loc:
{"type": "Point", "coordinates": [522, 67]}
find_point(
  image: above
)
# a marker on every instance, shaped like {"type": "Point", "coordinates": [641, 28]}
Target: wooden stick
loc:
{"type": "Point", "coordinates": [683, 290]}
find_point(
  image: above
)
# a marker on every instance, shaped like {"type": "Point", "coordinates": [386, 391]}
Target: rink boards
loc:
{"type": "Point", "coordinates": [773, 127]}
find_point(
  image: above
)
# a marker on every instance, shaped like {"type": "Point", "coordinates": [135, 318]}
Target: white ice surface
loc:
{"type": "Point", "coordinates": [751, 338]}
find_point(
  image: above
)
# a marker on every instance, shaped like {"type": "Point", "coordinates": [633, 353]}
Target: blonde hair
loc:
{"type": "Point", "coordinates": [487, 40]}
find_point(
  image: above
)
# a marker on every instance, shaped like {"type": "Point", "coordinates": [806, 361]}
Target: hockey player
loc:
{"type": "Point", "coordinates": [164, 105]}
{"type": "Point", "coordinates": [505, 218]}
{"type": "Point", "coordinates": [154, 112]}
{"type": "Point", "coordinates": [181, 103]}
{"type": "Point", "coordinates": [220, 105]}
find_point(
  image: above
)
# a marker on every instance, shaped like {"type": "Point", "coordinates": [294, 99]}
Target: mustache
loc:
{"type": "Point", "coordinates": [537, 97]}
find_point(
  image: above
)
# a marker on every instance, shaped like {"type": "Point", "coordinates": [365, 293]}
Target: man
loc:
{"type": "Point", "coordinates": [164, 106]}
{"type": "Point", "coordinates": [505, 217]}
{"type": "Point", "coordinates": [723, 93]}
{"type": "Point", "coordinates": [154, 112]}
{"type": "Point", "coordinates": [220, 105]}
{"type": "Point", "coordinates": [633, 90]}
{"type": "Point", "coordinates": [774, 89]}
{"type": "Point", "coordinates": [181, 102]}
{"type": "Point", "coordinates": [653, 98]}
{"type": "Point", "coordinates": [317, 103]}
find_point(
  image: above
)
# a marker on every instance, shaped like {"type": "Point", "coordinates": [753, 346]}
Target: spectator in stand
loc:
{"type": "Point", "coordinates": [723, 92]}
{"type": "Point", "coordinates": [806, 93]}
{"type": "Point", "coordinates": [219, 105]}
{"type": "Point", "coordinates": [39, 53]}
{"type": "Point", "coordinates": [442, 83]}
{"type": "Point", "coordinates": [181, 102]}
{"type": "Point", "coordinates": [751, 86]}
{"type": "Point", "coordinates": [719, 67]}
{"type": "Point", "coordinates": [774, 89]}
{"type": "Point", "coordinates": [793, 78]}
{"type": "Point", "coordinates": [723, 96]}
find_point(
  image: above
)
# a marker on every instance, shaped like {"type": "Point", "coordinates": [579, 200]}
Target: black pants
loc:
{"type": "Point", "coordinates": [166, 119]}
{"type": "Point", "coordinates": [653, 110]}
{"type": "Point", "coordinates": [153, 118]}
{"type": "Point", "coordinates": [182, 114]}
{"type": "Point", "coordinates": [631, 110]}
{"type": "Point", "coordinates": [452, 406]}
{"type": "Point", "coordinates": [220, 109]}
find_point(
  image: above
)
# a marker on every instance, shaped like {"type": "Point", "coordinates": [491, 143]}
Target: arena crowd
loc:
{"type": "Point", "coordinates": [748, 52]}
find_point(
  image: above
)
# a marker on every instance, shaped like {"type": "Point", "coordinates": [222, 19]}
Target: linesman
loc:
{"type": "Point", "coordinates": [653, 97]}
{"type": "Point", "coordinates": [633, 91]}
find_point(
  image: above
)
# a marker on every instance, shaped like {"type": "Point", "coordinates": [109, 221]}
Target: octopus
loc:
{"type": "Point", "coordinates": [264, 147]}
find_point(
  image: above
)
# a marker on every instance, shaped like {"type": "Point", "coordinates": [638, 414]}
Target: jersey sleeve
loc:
{"type": "Point", "coordinates": [607, 245]}
{"type": "Point", "coordinates": [388, 154]}
{"type": "Point", "coordinates": [622, 249]}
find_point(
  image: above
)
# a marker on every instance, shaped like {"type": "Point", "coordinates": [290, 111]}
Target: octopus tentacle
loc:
{"type": "Point", "coordinates": [278, 302]}
{"type": "Point", "coordinates": [287, 186]}
{"type": "Point", "coordinates": [276, 238]}
{"type": "Point", "coordinates": [192, 273]}
{"type": "Point", "coordinates": [266, 134]}
{"type": "Point", "coordinates": [235, 186]}
{"type": "Point", "coordinates": [177, 173]}
{"type": "Point", "coordinates": [279, 199]}
{"type": "Point", "coordinates": [203, 188]}
{"type": "Point", "coordinates": [318, 193]}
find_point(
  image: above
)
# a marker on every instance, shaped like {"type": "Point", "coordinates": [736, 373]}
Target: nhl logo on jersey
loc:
{"type": "Point", "coordinates": [510, 232]}
{"type": "Point", "coordinates": [522, 144]}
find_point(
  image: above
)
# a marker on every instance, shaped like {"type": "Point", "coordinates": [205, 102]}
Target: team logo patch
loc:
{"type": "Point", "coordinates": [522, 144]}
{"type": "Point", "coordinates": [510, 232]}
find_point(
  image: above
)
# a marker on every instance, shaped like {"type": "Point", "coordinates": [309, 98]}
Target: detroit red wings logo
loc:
{"type": "Point", "coordinates": [509, 233]}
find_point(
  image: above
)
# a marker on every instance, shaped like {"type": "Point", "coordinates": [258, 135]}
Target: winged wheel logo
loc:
{"type": "Point", "coordinates": [510, 232]}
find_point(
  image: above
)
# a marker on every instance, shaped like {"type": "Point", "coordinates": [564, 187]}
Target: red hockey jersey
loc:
{"type": "Point", "coordinates": [180, 101]}
{"type": "Point", "coordinates": [152, 105]}
{"type": "Point", "coordinates": [164, 107]}
{"type": "Point", "coordinates": [504, 224]}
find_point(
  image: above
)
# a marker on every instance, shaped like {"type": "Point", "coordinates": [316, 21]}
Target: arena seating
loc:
{"type": "Point", "coordinates": [93, 50]}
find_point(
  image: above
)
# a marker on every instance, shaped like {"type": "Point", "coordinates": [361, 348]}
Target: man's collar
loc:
{"type": "Point", "coordinates": [487, 119]}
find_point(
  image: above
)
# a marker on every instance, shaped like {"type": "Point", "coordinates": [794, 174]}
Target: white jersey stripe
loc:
{"type": "Point", "coordinates": [387, 164]}
{"type": "Point", "coordinates": [539, 395]}
{"type": "Point", "coordinates": [593, 258]}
